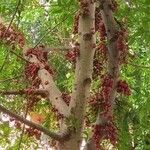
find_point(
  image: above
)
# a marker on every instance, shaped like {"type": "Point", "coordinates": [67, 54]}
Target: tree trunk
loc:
{"type": "Point", "coordinates": [83, 72]}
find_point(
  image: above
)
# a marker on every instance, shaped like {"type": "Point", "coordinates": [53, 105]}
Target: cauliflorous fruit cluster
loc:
{"type": "Point", "coordinates": [10, 36]}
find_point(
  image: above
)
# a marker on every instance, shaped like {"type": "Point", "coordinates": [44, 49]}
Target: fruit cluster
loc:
{"type": "Point", "coordinates": [57, 114]}
{"type": "Point", "coordinates": [33, 100]}
{"type": "Point", "coordinates": [76, 23]}
{"type": "Point", "coordinates": [106, 88]}
{"type": "Point", "coordinates": [97, 67]}
{"type": "Point", "coordinates": [114, 6]}
{"type": "Point", "coordinates": [72, 54]}
{"type": "Point", "coordinates": [121, 45]}
{"type": "Point", "coordinates": [66, 97]}
{"type": "Point", "coordinates": [99, 25]}
{"type": "Point", "coordinates": [107, 85]}
{"type": "Point", "coordinates": [100, 59]}
{"type": "Point", "coordinates": [104, 131]}
{"type": "Point", "coordinates": [39, 52]}
{"type": "Point", "coordinates": [10, 36]}
{"type": "Point", "coordinates": [98, 18]}
{"type": "Point", "coordinates": [106, 128]}
{"type": "Point", "coordinates": [17, 123]}
{"type": "Point", "coordinates": [102, 31]}
{"type": "Point", "coordinates": [31, 70]}
{"type": "Point", "coordinates": [93, 107]}
{"type": "Point", "coordinates": [123, 87]}
{"type": "Point", "coordinates": [102, 50]}
{"type": "Point", "coordinates": [31, 132]}
{"type": "Point", "coordinates": [84, 7]}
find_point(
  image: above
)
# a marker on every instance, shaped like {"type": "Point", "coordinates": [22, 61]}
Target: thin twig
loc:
{"type": "Point", "coordinates": [13, 17]}
{"type": "Point", "coordinates": [21, 137]}
{"type": "Point", "coordinates": [50, 30]}
{"type": "Point", "coordinates": [12, 78]}
{"type": "Point", "coordinates": [19, 56]}
{"type": "Point", "coordinates": [53, 135]}
{"type": "Point", "coordinates": [141, 66]}
{"type": "Point", "coordinates": [5, 60]}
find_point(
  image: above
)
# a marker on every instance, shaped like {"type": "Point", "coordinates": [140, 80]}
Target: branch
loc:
{"type": "Point", "coordinates": [23, 129]}
{"type": "Point", "coordinates": [113, 61]}
{"type": "Point", "coordinates": [113, 53]}
{"type": "Point", "coordinates": [53, 135]}
{"type": "Point", "coordinates": [13, 17]}
{"type": "Point", "coordinates": [111, 30]}
{"type": "Point", "coordinates": [54, 94]}
{"type": "Point", "coordinates": [5, 60]}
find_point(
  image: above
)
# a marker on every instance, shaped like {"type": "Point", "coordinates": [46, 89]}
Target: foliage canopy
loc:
{"type": "Point", "coordinates": [52, 20]}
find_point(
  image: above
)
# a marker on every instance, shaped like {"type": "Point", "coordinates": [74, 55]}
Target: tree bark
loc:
{"type": "Point", "coordinates": [113, 52]}
{"type": "Point", "coordinates": [83, 73]}
{"type": "Point", "coordinates": [113, 58]}
{"type": "Point", "coordinates": [54, 94]}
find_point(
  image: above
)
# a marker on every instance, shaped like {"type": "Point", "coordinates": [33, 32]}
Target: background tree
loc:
{"type": "Point", "coordinates": [39, 46]}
